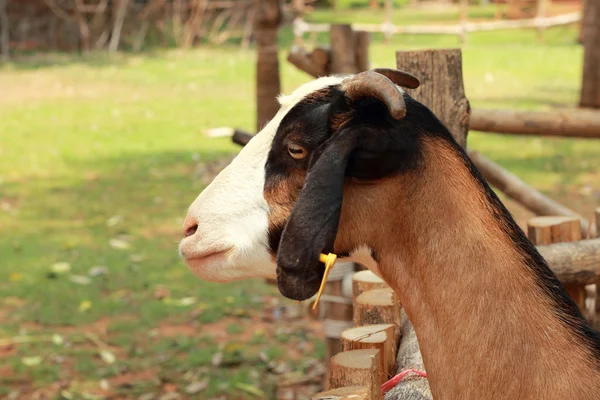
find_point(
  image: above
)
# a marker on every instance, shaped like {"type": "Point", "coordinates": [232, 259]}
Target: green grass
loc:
{"type": "Point", "coordinates": [94, 149]}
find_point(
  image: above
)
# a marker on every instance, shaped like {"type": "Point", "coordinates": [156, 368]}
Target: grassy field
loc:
{"type": "Point", "coordinates": [99, 159]}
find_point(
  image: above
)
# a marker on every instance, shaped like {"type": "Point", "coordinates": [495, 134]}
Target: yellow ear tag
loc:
{"type": "Point", "coordinates": [329, 261]}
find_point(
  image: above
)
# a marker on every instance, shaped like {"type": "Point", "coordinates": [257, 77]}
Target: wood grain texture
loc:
{"type": "Point", "coordinates": [357, 368]}
{"type": "Point", "coordinates": [442, 89]}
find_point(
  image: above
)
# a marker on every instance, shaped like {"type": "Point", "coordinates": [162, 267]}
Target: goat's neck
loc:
{"type": "Point", "coordinates": [486, 329]}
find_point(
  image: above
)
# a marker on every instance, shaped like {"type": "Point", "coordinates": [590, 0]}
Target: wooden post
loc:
{"type": "Point", "coordinates": [337, 315]}
{"type": "Point", "coordinates": [540, 13]}
{"type": "Point", "coordinates": [590, 86]}
{"type": "Point", "coordinates": [442, 89]}
{"type": "Point", "coordinates": [348, 54]}
{"type": "Point", "coordinates": [597, 305]}
{"type": "Point", "coordinates": [388, 21]}
{"type": "Point", "coordinates": [357, 368]}
{"type": "Point", "coordinates": [336, 310]}
{"type": "Point", "coordinates": [115, 38]}
{"type": "Point", "coordinates": [362, 50]}
{"type": "Point", "coordinates": [378, 306]}
{"type": "Point", "coordinates": [548, 230]}
{"type": "Point", "coordinates": [363, 281]}
{"type": "Point", "coordinates": [268, 85]}
{"type": "Point", "coordinates": [464, 12]}
{"type": "Point", "coordinates": [4, 31]}
{"type": "Point", "coordinates": [343, 49]}
{"type": "Point", "coordinates": [344, 393]}
{"type": "Point", "coordinates": [383, 337]}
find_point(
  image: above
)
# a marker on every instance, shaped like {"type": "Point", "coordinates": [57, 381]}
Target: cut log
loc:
{"type": "Point", "coordinates": [549, 230]}
{"type": "Point", "coordinates": [343, 54]}
{"type": "Point", "coordinates": [516, 189]}
{"type": "Point", "coordinates": [345, 393]}
{"type": "Point", "coordinates": [567, 123]}
{"type": "Point", "coordinates": [357, 368]}
{"type": "Point", "coordinates": [366, 280]}
{"type": "Point", "coordinates": [378, 306]}
{"type": "Point", "coordinates": [575, 262]}
{"type": "Point", "coordinates": [442, 89]}
{"type": "Point", "coordinates": [337, 315]}
{"type": "Point", "coordinates": [383, 337]}
{"type": "Point", "coordinates": [302, 60]}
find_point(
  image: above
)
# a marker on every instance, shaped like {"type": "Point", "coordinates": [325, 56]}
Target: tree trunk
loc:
{"type": "Point", "coordinates": [268, 86]}
{"type": "Point", "coordinates": [590, 88]}
{"type": "Point", "coordinates": [4, 33]}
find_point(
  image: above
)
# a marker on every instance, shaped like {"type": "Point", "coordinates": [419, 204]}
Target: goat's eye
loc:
{"type": "Point", "coordinates": [297, 152]}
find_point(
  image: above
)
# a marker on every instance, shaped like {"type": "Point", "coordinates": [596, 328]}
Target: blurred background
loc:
{"type": "Point", "coordinates": [108, 110]}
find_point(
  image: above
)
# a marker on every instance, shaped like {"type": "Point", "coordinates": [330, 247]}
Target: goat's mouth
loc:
{"type": "Point", "coordinates": [299, 285]}
{"type": "Point", "coordinates": [199, 259]}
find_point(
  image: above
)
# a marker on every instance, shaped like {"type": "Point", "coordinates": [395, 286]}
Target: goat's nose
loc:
{"type": "Point", "coordinates": [190, 226]}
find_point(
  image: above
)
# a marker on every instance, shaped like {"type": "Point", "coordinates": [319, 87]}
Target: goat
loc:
{"type": "Point", "coordinates": [354, 165]}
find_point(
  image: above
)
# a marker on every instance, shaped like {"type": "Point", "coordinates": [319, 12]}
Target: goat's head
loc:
{"type": "Point", "coordinates": [279, 203]}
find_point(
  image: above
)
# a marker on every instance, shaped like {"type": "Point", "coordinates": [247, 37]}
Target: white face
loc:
{"type": "Point", "coordinates": [231, 214]}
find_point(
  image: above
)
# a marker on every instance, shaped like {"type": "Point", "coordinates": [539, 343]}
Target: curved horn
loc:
{"type": "Point", "coordinates": [372, 84]}
{"type": "Point", "coordinates": [399, 77]}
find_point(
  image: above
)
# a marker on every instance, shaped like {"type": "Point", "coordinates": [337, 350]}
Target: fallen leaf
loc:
{"type": "Point", "coordinates": [250, 389]}
{"type": "Point", "coordinates": [114, 220]}
{"type": "Point", "coordinates": [57, 339]}
{"type": "Point", "coordinates": [85, 305]}
{"type": "Point", "coordinates": [217, 359]}
{"type": "Point", "coordinates": [65, 394]}
{"type": "Point", "coordinates": [183, 302]}
{"type": "Point", "coordinates": [196, 387]}
{"type": "Point", "coordinates": [97, 271]}
{"type": "Point", "coordinates": [80, 279]}
{"type": "Point", "coordinates": [107, 356]}
{"type": "Point", "coordinates": [120, 244]}
{"type": "Point", "coordinates": [60, 268]}
{"type": "Point", "coordinates": [31, 361]}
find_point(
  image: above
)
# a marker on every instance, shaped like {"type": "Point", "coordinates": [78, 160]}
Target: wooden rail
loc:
{"type": "Point", "coordinates": [578, 123]}
{"type": "Point", "coordinates": [387, 28]}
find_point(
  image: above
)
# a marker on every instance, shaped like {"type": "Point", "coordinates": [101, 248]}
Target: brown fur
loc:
{"type": "Point", "coordinates": [281, 197]}
{"type": "Point", "coordinates": [486, 329]}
